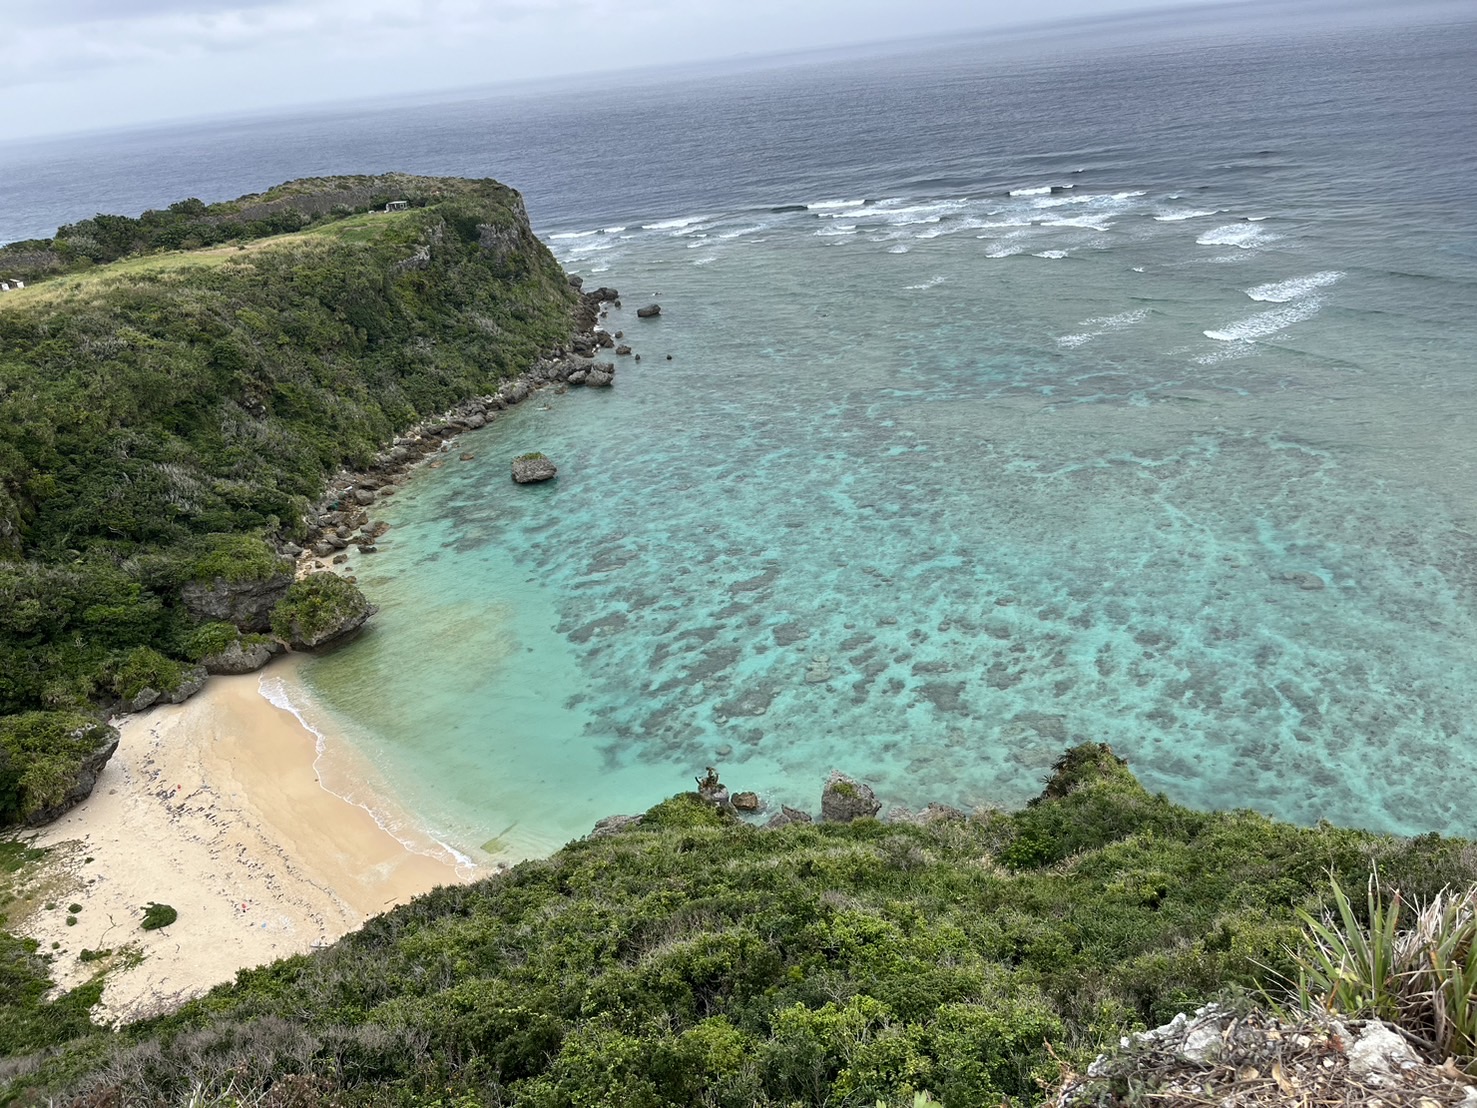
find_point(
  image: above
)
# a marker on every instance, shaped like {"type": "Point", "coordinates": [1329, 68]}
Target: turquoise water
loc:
{"type": "Point", "coordinates": [932, 488]}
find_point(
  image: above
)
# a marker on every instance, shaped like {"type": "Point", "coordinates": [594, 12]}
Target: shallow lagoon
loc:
{"type": "Point", "coordinates": [931, 489]}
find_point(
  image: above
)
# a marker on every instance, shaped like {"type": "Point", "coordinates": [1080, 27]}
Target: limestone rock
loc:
{"type": "Point", "coordinates": [363, 497]}
{"type": "Point", "coordinates": [105, 739]}
{"type": "Point", "coordinates": [531, 468]}
{"type": "Point", "coordinates": [786, 816]}
{"type": "Point", "coordinates": [747, 802]}
{"type": "Point", "coordinates": [1377, 1055]}
{"type": "Point", "coordinates": [844, 800]}
{"type": "Point", "coordinates": [320, 609]}
{"type": "Point", "coordinates": [144, 698]}
{"type": "Point", "coordinates": [190, 683]}
{"type": "Point", "coordinates": [613, 825]}
{"type": "Point", "coordinates": [651, 311]}
{"type": "Point", "coordinates": [247, 604]}
{"type": "Point", "coordinates": [599, 379]}
{"type": "Point", "coordinates": [237, 658]}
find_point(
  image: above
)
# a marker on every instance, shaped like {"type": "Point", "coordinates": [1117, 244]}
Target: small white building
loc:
{"type": "Point", "coordinates": [397, 205]}
{"type": "Point", "coordinates": [4, 286]}
{"type": "Point", "coordinates": [18, 284]}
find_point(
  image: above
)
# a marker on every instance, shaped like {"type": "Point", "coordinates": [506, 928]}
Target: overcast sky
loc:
{"type": "Point", "coordinates": [73, 65]}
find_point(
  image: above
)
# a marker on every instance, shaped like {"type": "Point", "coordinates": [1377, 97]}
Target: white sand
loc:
{"type": "Point", "coordinates": [215, 807]}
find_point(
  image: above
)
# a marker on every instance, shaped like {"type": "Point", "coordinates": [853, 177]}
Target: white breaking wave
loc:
{"type": "Point", "coordinates": [1179, 217]}
{"type": "Point", "coordinates": [1101, 325]}
{"type": "Point", "coordinates": [611, 230]}
{"type": "Point", "coordinates": [1090, 222]}
{"type": "Point", "coordinates": [822, 205]}
{"type": "Point", "coordinates": [1263, 324]}
{"type": "Point", "coordinates": [1051, 254]}
{"type": "Point", "coordinates": [755, 229]}
{"type": "Point", "coordinates": [931, 283]}
{"type": "Point", "coordinates": [674, 224]}
{"type": "Point", "coordinates": [1280, 292]}
{"type": "Point", "coordinates": [838, 229]}
{"type": "Point", "coordinates": [1040, 190]}
{"type": "Point", "coordinates": [1000, 250]}
{"type": "Point", "coordinates": [1243, 236]}
{"type": "Point", "coordinates": [274, 691]}
{"type": "Point", "coordinates": [573, 235]}
{"type": "Point", "coordinates": [900, 248]}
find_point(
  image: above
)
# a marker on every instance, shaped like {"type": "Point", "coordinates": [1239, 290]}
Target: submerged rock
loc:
{"type": "Point", "coordinates": [531, 468]}
{"type": "Point", "coordinates": [844, 800]}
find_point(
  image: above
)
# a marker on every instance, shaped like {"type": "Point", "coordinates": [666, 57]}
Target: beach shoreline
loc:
{"type": "Point", "coordinates": [231, 810]}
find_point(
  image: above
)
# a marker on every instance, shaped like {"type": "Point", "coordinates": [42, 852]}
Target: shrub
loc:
{"type": "Point", "coordinates": [315, 608]}
{"type": "Point", "coordinates": [145, 668]}
{"type": "Point", "coordinates": [157, 916]}
{"type": "Point", "coordinates": [1414, 966]}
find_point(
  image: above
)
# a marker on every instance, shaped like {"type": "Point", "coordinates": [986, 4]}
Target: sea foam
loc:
{"type": "Point", "coordinates": [1243, 236]}
{"type": "Point", "coordinates": [1279, 292]}
{"type": "Point", "coordinates": [1263, 324]}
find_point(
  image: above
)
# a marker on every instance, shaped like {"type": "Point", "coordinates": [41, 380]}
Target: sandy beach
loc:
{"type": "Point", "coordinates": [216, 807]}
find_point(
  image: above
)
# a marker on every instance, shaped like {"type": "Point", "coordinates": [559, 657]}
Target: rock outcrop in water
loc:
{"type": "Point", "coordinates": [844, 800]}
{"type": "Point", "coordinates": [529, 469]}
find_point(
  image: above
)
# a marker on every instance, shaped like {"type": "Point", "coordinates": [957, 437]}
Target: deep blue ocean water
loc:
{"type": "Point", "coordinates": [1114, 391]}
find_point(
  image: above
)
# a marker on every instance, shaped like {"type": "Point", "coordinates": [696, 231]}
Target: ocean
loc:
{"type": "Point", "coordinates": [1111, 387]}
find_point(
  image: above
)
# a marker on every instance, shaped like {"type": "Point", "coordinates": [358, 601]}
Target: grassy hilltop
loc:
{"type": "Point", "coordinates": [174, 390]}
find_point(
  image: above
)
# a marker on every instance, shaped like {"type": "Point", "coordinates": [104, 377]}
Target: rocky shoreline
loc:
{"type": "Point", "coordinates": [341, 518]}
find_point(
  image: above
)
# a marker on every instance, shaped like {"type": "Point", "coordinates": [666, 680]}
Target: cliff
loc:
{"type": "Point", "coordinates": [169, 416]}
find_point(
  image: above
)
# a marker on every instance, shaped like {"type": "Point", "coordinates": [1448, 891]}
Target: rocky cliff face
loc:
{"type": "Point", "coordinates": [247, 604]}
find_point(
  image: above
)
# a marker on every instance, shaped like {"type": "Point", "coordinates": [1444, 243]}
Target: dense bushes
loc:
{"type": "Point", "coordinates": [40, 757]}
{"type": "Point", "coordinates": [161, 418]}
{"type": "Point", "coordinates": [693, 960]}
{"type": "Point", "coordinates": [316, 608]}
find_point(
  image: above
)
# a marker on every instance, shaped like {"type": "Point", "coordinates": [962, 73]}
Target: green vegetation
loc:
{"type": "Point", "coordinates": [314, 607]}
{"type": "Point", "coordinates": [157, 916]}
{"type": "Point", "coordinates": [1421, 974]}
{"type": "Point", "coordinates": [170, 406]}
{"type": "Point", "coordinates": [694, 960]}
{"type": "Point", "coordinates": [44, 751]}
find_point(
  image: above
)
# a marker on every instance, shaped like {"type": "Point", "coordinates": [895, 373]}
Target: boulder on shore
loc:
{"type": "Point", "coordinates": [530, 468]}
{"type": "Point", "coordinates": [103, 741]}
{"type": "Point", "coordinates": [844, 800]}
{"type": "Point", "coordinates": [237, 658]}
{"type": "Point", "coordinates": [651, 311]}
{"type": "Point", "coordinates": [319, 609]}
